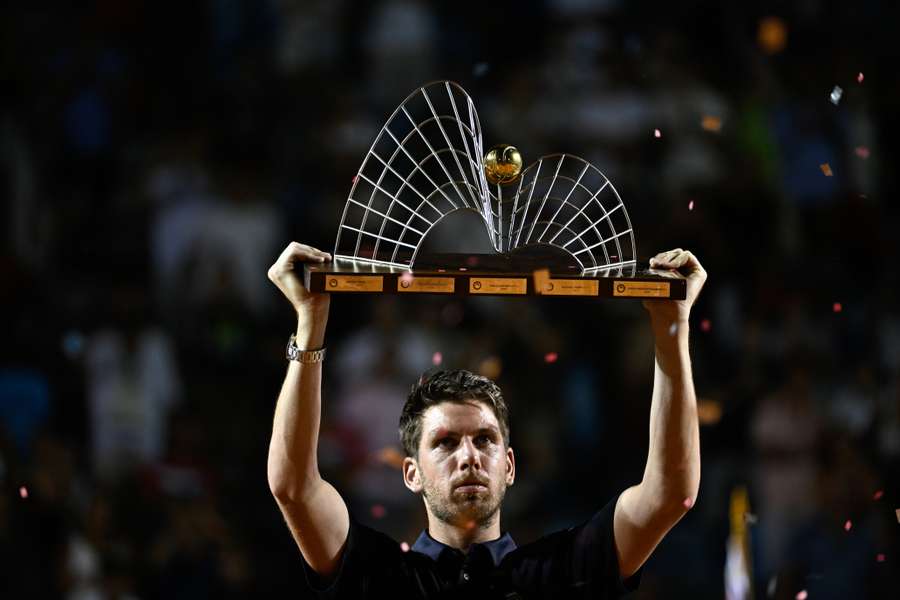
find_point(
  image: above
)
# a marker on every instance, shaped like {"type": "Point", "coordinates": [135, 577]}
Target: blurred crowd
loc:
{"type": "Point", "coordinates": [155, 157]}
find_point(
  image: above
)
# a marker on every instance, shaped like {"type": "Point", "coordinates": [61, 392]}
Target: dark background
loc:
{"type": "Point", "coordinates": [155, 158]}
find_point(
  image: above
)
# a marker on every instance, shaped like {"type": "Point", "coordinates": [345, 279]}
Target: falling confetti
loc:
{"type": "Point", "coordinates": [378, 511]}
{"type": "Point", "coordinates": [826, 168]}
{"type": "Point", "coordinates": [437, 358]}
{"type": "Point", "coordinates": [23, 492]}
{"type": "Point", "coordinates": [709, 412]}
{"type": "Point", "coordinates": [836, 94]}
{"type": "Point", "coordinates": [404, 546]}
{"type": "Point", "coordinates": [860, 77]}
{"type": "Point", "coordinates": [673, 328]}
{"type": "Point", "coordinates": [490, 367]}
{"type": "Point", "coordinates": [691, 205]}
{"type": "Point", "coordinates": [880, 558]}
{"type": "Point", "coordinates": [862, 152]}
{"type": "Point", "coordinates": [770, 589]}
{"type": "Point", "coordinates": [848, 525]}
{"type": "Point", "coordinates": [705, 325]}
{"type": "Point", "coordinates": [406, 278]}
{"type": "Point", "coordinates": [541, 280]}
{"type": "Point", "coordinates": [390, 456]}
{"type": "Point", "coordinates": [472, 261]}
{"type": "Point", "coordinates": [802, 595]}
{"type": "Point", "coordinates": [688, 503]}
{"type": "Point", "coordinates": [878, 495]}
{"type": "Point", "coordinates": [772, 35]}
{"type": "Point", "coordinates": [355, 179]}
{"type": "Point", "coordinates": [711, 123]}
{"type": "Point", "coordinates": [656, 133]}
{"type": "Point", "coordinates": [836, 307]}
{"type": "Point", "coordinates": [750, 518]}
{"type": "Point", "coordinates": [550, 357]}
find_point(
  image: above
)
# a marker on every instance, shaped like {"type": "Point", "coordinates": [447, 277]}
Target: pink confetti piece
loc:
{"type": "Point", "coordinates": [23, 492]}
{"type": "Point", "coordinates": [355, 179]}
{"type": "Point", "coordinates": [657, 133]}
{"type": "Point", "coordinates": [848, 525]}
{"type": "Point", "coordinates": [378, 511]}
{"type": "Point", "coordinates": [802, 595]}
{"type": "Point", "coordinates": [406, 278]}
{"type": "Point", "coordinates": [404, 546]}
{"type": "Point", "coordinates": [860, 77]}
{"type": "Point", "coordinates": [550, 357]}
{"type": "Point", "coordinates": [836, 307]}
{"type": "Point", "coordinates": [862, 152]}
{"type": "Point", "coordinates": [688, 503]}
{"type": "Point", "coordinates": [705, 325]}
{"type": "Point", "coordinates": [877, 495]}
{"type": "Point", "coordinates": [691, 205]}
{"type": "Point", "coordinates": [463, 269]}
{"type": "Point", "coordinates": [437, 358]}
{"type": "Point", "coordinates": [472, 261]}
{"type": "Point", "coordinates": [826, 169]}
{"type": "Point", "coordinates": [880, 557]}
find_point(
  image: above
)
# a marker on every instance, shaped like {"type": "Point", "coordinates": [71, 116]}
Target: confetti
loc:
{"type": "Point", "coordinates": [541, 280]}
{"type": "Point", "coordinates": [490, 367]}
{"type": "Point", "coordinates": [463, 269]}
{"type": "Point", "coordinates": [878, 495]}
{"type": "Point", "coordinates": [404, 546]}
{"type": "Point", "coordinates": [750, 518]}
{"type": "Point", "coordinates": [691, 205]}
{"type": "Point", "coordinates": [657, 133]}
{"type": "Point", "coordinates": [23, 492]}
{"type": "Point", "coordinates": [709, 412]}
{"type": "Point", "coordinates": [802, 595]}
{"type": "Point", "coordinates": [826, 168]}
{"type": "Point", "coordinates": [378, 511]}
{"type": "Point", "coordinates": [705, 325]}
{"type": "Point", "coordinates": [836, 307]}
{"type": "Point", "coordinates": [406, 279]}
{"type": "Point", "coordinates": [880, 558]}
{"type": "Point", "coordinates": [688, 503]}
{"type": "Point", "coordinates": [480, 69]}
{"type": "Point", "coordinates": [437, 358]}
{"type": "Point", "coordinates": [860, 77]}
{"type": "Point", "coordinates": [355, 179]}
{"type": "Point", "coordinates": [772, 35]}
{"type": "Point", "coordinates": [862, 152]}
{"type": "Point", "coordinates": [550, 357]}
{"type": "Point", "coordinates": [711, 123]}
{"type": "Point", "coordinates": [673, 328]}
{"type": "Point", "coordinates": [472, 261]}
{"type": "Point", "coordinates": [770, 589]}
{"type": "Point", "coordinates": [848, 525]}
{"type": "Point", "coordinates": [836, 94]}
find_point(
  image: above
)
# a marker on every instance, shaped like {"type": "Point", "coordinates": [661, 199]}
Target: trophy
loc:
{"type": "Point", "coordinates": [557, 227]}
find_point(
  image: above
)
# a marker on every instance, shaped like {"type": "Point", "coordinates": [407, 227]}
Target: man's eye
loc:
{"type": "Point", "coordinates": [446, 442]}
{"type": "Point", "coordinates": [483, 439]}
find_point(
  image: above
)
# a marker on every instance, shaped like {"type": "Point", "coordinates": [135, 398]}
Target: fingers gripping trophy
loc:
{"type": "Point", "coordinates": [557, 228]}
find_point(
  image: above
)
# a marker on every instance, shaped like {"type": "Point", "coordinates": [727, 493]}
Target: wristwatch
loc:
{"type": "Point", "coordinates": [303, 356]}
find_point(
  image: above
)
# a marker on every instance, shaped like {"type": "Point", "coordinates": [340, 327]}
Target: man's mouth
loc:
{"type": "Point", "coordinates": [468, 487]}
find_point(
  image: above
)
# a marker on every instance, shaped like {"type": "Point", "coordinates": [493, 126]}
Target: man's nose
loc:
{"type": "Point", "coordinates": [469, 455]}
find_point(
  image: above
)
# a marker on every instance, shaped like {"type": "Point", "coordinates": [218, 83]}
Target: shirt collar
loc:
{"type": "Point", "coordinates": [432, 548]}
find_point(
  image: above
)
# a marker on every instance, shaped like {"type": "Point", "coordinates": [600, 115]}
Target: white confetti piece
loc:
{"type": "Point", "coordinates": [836, 94]}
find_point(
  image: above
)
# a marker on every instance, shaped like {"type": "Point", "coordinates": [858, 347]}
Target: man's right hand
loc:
{"type": "Point", "coordinates": [286, 273]}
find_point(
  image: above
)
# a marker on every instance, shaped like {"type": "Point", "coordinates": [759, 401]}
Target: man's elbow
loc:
{"type": "Point", "coordinates": [288, 485]}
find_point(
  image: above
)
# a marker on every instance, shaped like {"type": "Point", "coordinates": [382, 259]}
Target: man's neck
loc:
{"type": "Point", "coordinates": [463, 536]}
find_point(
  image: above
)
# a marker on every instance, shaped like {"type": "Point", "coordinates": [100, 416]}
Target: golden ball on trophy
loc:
{"type": "Point", "coordinates": [502, 164]}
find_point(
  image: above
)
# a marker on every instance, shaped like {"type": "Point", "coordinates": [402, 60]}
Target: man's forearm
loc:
{"type": "Point", "coordinates": [293, 463]}
{"type": "Point", "coordinates": [673, 462]}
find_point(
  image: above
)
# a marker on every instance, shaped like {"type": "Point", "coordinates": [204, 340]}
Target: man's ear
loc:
{"type": "Point", "coordinates": [510, 467]}
{"type": "Point", "coordinates": [411, 475]}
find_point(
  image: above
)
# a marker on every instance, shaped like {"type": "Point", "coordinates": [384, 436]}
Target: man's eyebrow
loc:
{"type": "Point", "coordinates": [443, 431]}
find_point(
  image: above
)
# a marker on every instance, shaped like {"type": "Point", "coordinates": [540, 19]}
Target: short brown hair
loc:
{"type": "Point", "coordinates": [456, 386]}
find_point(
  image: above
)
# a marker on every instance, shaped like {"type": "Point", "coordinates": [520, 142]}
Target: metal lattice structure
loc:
{"type": "Point", "coordinates": [427, 162]}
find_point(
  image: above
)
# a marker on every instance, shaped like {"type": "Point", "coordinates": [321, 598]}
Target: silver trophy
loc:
{"type": "Point", "coordinates": [557, 227]}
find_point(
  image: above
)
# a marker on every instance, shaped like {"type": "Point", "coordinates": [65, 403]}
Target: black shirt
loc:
{"type": "Point", "coordinates": [579, 562]}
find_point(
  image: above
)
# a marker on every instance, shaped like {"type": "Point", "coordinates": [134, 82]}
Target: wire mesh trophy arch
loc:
{"type": "Point", "coordinates": [427, 162]}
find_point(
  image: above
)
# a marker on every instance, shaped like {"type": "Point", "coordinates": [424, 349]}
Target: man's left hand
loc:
{"type": "Point", "coordinates": [682, 264]}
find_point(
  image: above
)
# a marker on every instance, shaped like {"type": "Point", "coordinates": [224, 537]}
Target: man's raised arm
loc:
{"type": "Point", "coordinates": [647, 511]}
{"type": "Point", "coordinates": [314, 511]}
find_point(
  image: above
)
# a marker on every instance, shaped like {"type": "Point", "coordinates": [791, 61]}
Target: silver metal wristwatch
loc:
{"type": "Point", "coordinates": [303, 356]}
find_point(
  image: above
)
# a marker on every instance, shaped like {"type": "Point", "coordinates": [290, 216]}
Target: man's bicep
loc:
{"type": "Point", "coordinates": [319, 524]}
{"type": "Point", "coordinates": [639, 524]}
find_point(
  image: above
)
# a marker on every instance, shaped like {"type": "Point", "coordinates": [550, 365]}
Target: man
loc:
{"type": "Point", "coordinates": [455, 433]}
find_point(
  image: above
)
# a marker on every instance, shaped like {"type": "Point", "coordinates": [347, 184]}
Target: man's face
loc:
{"type": "Point", "coordinates": [463, 467]}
